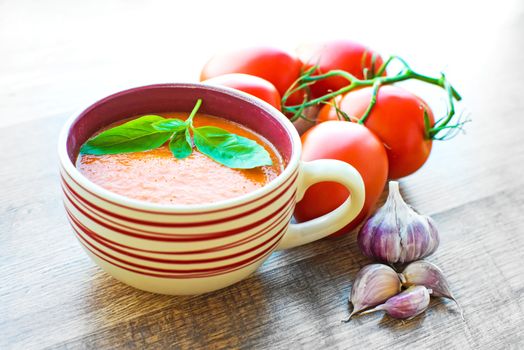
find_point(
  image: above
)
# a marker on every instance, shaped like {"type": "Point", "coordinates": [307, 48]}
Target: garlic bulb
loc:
{"type": "Point", "coordinates": [373, 285]}
{"type": "Point", "coordinates": [406, 305]}
{"type": "Point", "coordinates": [396, 233]}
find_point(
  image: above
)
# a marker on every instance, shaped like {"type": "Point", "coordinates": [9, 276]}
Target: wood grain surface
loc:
{"type": "Point", "coordinates": [56, 56]}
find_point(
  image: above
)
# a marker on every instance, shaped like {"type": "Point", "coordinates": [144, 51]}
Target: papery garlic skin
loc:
{"type": "Point", "coordinates": [373, 285]}
{"type": "Point", "coordinates": [396, 233]}
{"type": "Point", "coordinates": [426, 274]}
{"type": "Point", "coordinates": [406, 305]}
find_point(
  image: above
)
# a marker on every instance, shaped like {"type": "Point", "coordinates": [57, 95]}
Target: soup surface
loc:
{"type": "Point", "coordinates": [157, 176]}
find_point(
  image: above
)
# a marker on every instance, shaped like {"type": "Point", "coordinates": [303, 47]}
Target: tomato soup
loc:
{"type": "Point", "coordinates": [157, 176]}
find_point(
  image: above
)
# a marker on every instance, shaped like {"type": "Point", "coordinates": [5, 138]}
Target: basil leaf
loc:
{"type": "Point", "coordinates": [180, 144]}
{"type": "Point", "coordinates": [170, 125]}
{"type": "Point", "coordinates": [134, 136]}
{"type": "Point", "coordinates": [231, 150]}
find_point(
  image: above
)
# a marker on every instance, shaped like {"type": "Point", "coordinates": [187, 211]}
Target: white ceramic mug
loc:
{"type": "Point", "coordinates": [193, 249]}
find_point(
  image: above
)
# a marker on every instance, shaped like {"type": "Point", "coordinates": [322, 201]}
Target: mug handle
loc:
{"type": "Point", "coordinates": [319, 171]}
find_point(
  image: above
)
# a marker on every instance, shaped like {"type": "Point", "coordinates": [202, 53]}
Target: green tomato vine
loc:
{"type": "Point", "coordinates": [443, 129]}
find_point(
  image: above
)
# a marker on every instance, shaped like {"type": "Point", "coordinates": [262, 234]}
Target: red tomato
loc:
{"type": "Point", "coordinates": [353, 144]}
{"type": "Point", "coordinates": [346, 55]}
{"type": "Point", "coordinates": [276, 66]}
{"type": "Point", "coordinates": [397, 119]}
{"type": "Point", "coordinates": [250, 84]}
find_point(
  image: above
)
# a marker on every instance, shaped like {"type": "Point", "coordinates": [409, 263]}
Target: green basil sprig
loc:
{"type": "Point", "coordinates": [152, 131]}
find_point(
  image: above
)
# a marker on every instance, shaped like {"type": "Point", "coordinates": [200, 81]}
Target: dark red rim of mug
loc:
{"type": "Point", "coordinates": [278, 130]}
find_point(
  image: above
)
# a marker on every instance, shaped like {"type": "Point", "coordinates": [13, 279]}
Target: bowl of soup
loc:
{"type": "Point", "coordinates": [191, 225]}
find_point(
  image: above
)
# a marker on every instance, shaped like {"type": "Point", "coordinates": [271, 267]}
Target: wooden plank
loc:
{"type": "Point", "coordinates": [38, 311]}
{"type": "Point", "coordinates": [302, 303]}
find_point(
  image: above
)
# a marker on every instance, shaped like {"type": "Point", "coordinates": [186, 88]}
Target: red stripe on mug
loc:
{"type": "Point", "coordinates": [175, 261]}
{"type": "Point", "coordinates": [283, 217]}
{"type": "Point", "coordinates": [182, 237]}
{"type": "Point", "coordinates": [171, 276]}
{"type": "Point", "coordinates": [221, 269]}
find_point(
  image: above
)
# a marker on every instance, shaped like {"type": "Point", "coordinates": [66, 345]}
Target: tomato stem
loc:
{"type": "Point", "coordinates": [341, 115]}
{"type": "Point", "coordinates": [372, 103]}
{"type": "Point", "coordinates": [427, 125]}
{"type": "Point", "coordinates": [376, 80]}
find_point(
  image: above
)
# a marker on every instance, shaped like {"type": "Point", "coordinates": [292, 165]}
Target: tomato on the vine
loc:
{"type": "Point", "coordinates": [275, 65]}
{"type": "Point", "coordinates": [345, 55]}
{"type": "Point", "coordinates": [353, 144]}
{"type": "Point", "coordinates": [250, 84]}
{"type": "Point", "coordinates": [397, 119]}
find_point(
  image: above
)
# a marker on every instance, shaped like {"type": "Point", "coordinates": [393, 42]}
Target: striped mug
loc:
{"type": "Point", "coordinates": [193, 249]}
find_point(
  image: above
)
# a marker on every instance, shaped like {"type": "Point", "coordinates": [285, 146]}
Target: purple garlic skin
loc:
{"type": "Point", "coordinates": [426, 274]}
{"type": "Point", "coordinates": [406, 305]}
{"type": "Point", "coordinates": [373, 285]}
{"type": "Point", "coordinates": [396, 233]}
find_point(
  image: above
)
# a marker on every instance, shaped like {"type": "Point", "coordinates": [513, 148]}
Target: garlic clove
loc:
{"type": "Point", "coordinates": [434, 236]}
{"type": "Point", "coordinates": [373, 285]}
{"type": "Point", "coordinates": [367, 233]}
{"type": "Point", "coordinates": [406, 305]}
{"type": "Point", "coordinates": [386, 241]}
{"type": "Point", "coordinates": [396, 233]}
{"type": "Point", "coordinates": [429, 275]}
{"type": "Point", "coordinates": [417, 240]}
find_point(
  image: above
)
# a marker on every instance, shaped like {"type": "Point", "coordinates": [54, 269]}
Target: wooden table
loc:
{"type": "Point", "coordinates": [58, 55]}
